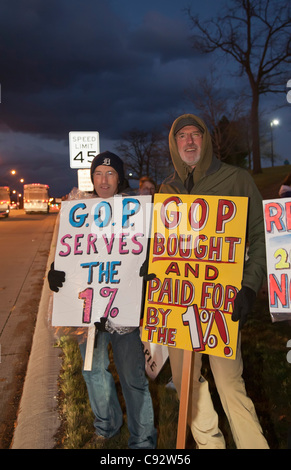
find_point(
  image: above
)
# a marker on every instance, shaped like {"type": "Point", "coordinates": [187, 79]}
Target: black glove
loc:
{"type": "Point", "coordinates": [100, 325]}
{"type": "Point", "coordinates": [143, 272]}
{"type": "Point", "coordinates": [55, 278]}
{"type": "Point", "coordinates": [243, 305]}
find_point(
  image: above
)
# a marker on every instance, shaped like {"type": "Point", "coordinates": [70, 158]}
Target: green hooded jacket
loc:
{"type": "Point", "coordinates": [213, 177]}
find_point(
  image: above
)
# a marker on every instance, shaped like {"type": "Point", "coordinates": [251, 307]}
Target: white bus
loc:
{"type": "Point", "coordinates": [4, 201]}
{"type": "Point", "coordinates": [35, 198]}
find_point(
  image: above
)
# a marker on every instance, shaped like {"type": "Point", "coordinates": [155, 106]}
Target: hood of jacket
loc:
{"type": "Point", "coordinates": [206, 152]}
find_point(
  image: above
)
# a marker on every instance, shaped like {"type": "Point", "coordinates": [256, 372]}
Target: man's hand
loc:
{"type": "Point", "coordinates": [143, 272]}
{"type": "Point", "coordinates": [100, 325]}
{"type": "Point", "coordinates": [55, 278]}
{"type": "Point", "coordinates": [243, 305]}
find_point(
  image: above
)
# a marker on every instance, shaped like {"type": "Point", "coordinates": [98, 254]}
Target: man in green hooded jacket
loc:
{"type": "Point", "coordinates": [199, 172]}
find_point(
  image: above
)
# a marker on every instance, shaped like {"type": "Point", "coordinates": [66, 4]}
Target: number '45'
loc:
{"type": "Point", "coordinates": [79, 157]}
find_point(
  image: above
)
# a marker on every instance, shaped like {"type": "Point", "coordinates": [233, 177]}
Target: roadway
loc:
{"type": "Point", "coordinates": [25, 242]}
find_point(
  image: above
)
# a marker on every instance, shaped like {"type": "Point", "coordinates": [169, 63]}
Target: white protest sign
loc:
{"type": "Point", "coordinates": [84, 146]}
{"type": "Point", "coordinates": [84, 180]}
{"type": "Point", "coordinates": [277, 218]}
{"type": "Point", "coordinates": [101, 247]}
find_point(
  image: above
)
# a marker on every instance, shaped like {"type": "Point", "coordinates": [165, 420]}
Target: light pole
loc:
{"type": "Point", "coordinates": [273, 123]}
{"type": "Point", "coordinates": [20, 196]}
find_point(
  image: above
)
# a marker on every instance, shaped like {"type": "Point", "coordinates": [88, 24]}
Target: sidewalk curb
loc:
{"type": "Point", "coordinates": [38, 421]}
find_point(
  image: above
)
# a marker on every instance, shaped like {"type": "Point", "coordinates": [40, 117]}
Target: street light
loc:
{"type": "Point", "coordinates": [273, 123]}
{"type": "Point", "coordinates": [20, 196]}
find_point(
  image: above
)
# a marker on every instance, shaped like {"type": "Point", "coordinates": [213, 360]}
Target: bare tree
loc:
{"type": "Point", "coordinates": [143, 153]}
{"type": "Point", "coordinates": [224, 117]}
{"type": "Point", "coordinates": [256, 34]}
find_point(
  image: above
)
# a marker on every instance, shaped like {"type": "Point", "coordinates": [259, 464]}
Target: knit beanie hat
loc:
{"type": "Point", "coordinates": [108, 159]}
{"type": "Point", "coordinates": [187, 121]}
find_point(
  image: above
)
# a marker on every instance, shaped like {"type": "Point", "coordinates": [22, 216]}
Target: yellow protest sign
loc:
{"type": "Point", "coordinates": [197, 253]}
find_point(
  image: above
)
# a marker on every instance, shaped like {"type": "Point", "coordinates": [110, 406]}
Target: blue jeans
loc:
{"type": "Point", "coordinates": [130, 364]}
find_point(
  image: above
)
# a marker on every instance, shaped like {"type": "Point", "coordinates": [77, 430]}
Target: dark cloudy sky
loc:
{"type": "Point", "coordinates": [105, 65]}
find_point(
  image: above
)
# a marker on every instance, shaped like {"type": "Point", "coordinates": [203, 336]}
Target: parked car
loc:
{"type": "Point", "coordinates": [5, 201]}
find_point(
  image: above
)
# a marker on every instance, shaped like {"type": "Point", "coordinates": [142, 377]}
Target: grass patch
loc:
{"type": "Point", "coordinates": [272, 175]}
{"type": "Point", "coordinates": [74, 406]}
{"type": "Point", "coordinates": [268, 374]}
{"type": "Point", "coordinates": [270, 180]}
{"type": "Point", "coordinates": [77, 418]}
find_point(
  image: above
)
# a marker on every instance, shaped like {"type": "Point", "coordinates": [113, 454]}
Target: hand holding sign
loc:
{"type": "Point", "coordinates": [55, 278]}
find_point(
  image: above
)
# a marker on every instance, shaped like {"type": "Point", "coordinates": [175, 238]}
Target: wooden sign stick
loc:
{"type": "Point", "coordinates": [89, 348]}
{"type": "Point", "coordinates": [184, 400]}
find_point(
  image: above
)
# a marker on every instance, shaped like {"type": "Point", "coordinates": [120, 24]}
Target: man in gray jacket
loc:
{"type": "Point", "coordinates": [199, 172]}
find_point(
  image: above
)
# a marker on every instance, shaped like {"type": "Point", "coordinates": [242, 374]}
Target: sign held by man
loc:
{"type": "Point", "coordinates": [197, 253]}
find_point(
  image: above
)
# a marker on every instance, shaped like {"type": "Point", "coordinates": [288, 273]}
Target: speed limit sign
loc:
{"type": "Point", "coordinates": [84, 146]}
